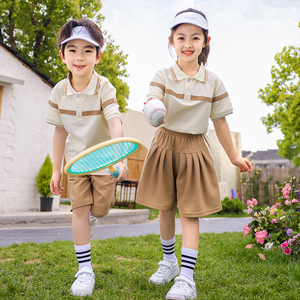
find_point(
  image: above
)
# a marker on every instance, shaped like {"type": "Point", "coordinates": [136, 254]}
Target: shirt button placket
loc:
{"type": "Point", "coordinates": [78, 110]}
{"type": "Point", "coordinates": [188, 89]}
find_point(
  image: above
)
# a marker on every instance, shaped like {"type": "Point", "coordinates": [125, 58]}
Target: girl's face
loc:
{"type": "Point", "coordinates": [80, 57]}
{"type": "Point", "coordinates": [188, 41]}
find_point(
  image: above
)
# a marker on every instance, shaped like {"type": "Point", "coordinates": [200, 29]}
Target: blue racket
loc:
{"type": "Point", "coordinates": [103, 155]}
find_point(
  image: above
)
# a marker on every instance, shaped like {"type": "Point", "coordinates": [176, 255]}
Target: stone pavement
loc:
{"type": "Point", "coordinates": [63, 217]}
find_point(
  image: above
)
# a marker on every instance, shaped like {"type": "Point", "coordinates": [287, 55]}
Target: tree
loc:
{"type": "Point", "coordinates": [284, 95]}
{"type": "Point", "coordinates": [30, 27]}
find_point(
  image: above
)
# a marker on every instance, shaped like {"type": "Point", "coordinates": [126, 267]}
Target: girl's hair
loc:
{"type": "Point", "coordinates": [202, 58]}
{"type": "Point", "coordinates": [66, 31]}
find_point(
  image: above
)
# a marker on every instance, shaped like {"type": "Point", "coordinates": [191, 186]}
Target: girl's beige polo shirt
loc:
{"type": "Point", "coordinates": [190, 100]}
{"type": "Point", "coordinates": [84, 115]}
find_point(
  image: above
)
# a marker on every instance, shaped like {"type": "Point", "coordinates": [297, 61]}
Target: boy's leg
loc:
{"type": "Point", "coordinates": [168, 266]}
{"type": "Point", "coordinates": [184, 287]}
{"type": "Point", "coordinates": [84, 284]}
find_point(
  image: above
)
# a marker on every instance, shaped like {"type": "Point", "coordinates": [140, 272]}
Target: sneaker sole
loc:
{"type": "Point", "coordinates": [180, 297]}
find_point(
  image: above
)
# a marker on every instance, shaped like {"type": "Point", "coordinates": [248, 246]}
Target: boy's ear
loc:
{"type": "Point", "coordinates": [98, 58]}
{"type": "Point", "coordinates": [171, 41]}
{"type": "Point", "coordinates": [62, 57]}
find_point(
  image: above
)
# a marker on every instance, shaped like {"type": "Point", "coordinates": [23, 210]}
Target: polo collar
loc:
{"type": "Point", "coordinates": [91, 89]}
{"type": "Point", "coordinates": [178, 74]}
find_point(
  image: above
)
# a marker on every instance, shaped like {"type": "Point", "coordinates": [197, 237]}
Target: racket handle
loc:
{"type": "Point", "coordinates": [114, 171]}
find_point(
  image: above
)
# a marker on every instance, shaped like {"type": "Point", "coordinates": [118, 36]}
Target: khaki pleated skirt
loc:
{"type": "Point", "coordinates": [179, 170]}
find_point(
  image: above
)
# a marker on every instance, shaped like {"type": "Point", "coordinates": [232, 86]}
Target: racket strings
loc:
{"type": "Point", "coordinates": [103, 157]}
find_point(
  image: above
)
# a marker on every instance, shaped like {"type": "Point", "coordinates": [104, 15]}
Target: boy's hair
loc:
{"type": "Point", "coordinates": [66, 31]}
{"type": "Point", "coordinates": [202, 58]}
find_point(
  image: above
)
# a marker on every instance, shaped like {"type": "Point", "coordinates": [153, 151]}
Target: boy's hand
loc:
{"type": "Point", "coordinates": [123, 172]}
{"type": "Point", "coordinates": [55, 186]}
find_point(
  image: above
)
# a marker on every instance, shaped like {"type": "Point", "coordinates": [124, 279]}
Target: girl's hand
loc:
{"type": "Point", "coordinates": [163, 121]}
{"type": "Point", "coordinates": [123, 172]}
{"type": "Point", "coordinates": [243, 164]}
{"type": "Point", "coordinates": [55, 186]}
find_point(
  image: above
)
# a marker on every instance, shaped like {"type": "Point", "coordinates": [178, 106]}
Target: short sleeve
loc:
{"type": "Point", "coordinates": [221, 104]}
{"type": "Point", "coordinates": [109, 102]}
{"type": "Point", "coordinates": [52, 114]}
{"type": "Point", "coordinates": [157, 86]}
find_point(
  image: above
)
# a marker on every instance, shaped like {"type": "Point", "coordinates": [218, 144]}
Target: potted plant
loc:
{"type": "Point", "coordinates": [43, 185]}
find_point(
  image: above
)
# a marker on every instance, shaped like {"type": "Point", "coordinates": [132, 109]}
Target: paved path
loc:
{"type": "Point", "coordinates": [9, 236]}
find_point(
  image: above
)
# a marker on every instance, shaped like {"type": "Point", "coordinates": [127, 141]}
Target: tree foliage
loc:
{"type": "Point", "coordinates": [31, 26]}
{"type": "Point", "coordinates": [284, 95]}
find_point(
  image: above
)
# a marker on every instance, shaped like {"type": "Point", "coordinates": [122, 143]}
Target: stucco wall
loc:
{"type": "Point", "coordinates": [227, 173]}
{"type": "Point", "coordinates": [25, 138]}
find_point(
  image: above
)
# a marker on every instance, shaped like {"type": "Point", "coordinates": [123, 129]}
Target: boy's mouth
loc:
{"type": "Point", "coordinates": [79, 66]}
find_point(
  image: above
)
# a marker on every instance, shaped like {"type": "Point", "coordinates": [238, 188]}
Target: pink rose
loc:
{"type": "Point", "coordinates": [249, 211]}
{"type": "Point", "coordinates": [295, 201]}
{"type": "Point", "coordinates": [249, 246]}
{"type": "Point", "coordinates": [273, 221]}
{"type": "Point", "coordinates": [246, 230]}
{"type": "Point", "coordinates": [254, 201]}
{"type": "Point", "coordinates": [287, 202]}
{"type": "Point", "coordinates": [284, 244]}
{"type": "Point", "coordinates": [287, 251]}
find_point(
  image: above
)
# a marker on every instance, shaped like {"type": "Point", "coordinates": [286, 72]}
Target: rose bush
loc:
{"type": "Point", "coordinates": [277, 226]}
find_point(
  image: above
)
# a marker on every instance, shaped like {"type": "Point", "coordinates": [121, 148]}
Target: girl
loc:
{"type": "Point", "coordinates": [84, 110]}
{"type": "Point", "coordinates": [184, 174]}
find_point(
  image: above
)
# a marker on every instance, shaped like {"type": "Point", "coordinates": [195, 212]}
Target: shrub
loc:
{"type": "Point", "coordinates": [232, 205]}
{"type": "Point", "coordinates": [44, 177]}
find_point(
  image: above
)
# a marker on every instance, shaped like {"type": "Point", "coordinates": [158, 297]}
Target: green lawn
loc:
{"type": "Point", "coordinates": [225, 270]}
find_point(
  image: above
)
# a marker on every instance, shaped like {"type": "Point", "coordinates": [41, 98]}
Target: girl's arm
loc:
{"type": "Point", "coordinates": [224, 137]}
{"type": "Point", "coordinates": [116, 131]}
{"type": "Point", "coordinates": [59, 140]}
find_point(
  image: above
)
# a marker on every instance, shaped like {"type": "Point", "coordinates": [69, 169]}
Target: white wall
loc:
{"type": "Point", "coordinates": [227, 173]}
{"type": "Point", "coordinates": [25, 137]}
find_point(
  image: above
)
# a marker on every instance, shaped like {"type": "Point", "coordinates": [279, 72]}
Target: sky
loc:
{"type": "Point", "coordinates": [245, 37]}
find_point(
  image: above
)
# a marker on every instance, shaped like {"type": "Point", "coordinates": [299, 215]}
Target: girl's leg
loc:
{"type": "Point", "coordinates": [168, 266]}
{"type": "Point", "coordinates": [81, 225]}
{"type": "Point", "coordinates": [184, 287]}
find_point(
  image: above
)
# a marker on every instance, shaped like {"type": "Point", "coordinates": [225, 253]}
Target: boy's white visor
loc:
{"type": "Point", "coordinates": [190, 18]}
{"type": "Point", "coordinates": [80, 33]}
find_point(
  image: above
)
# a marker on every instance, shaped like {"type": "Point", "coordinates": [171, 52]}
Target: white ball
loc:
{"type": "Point", "coordinates": [155, 112]}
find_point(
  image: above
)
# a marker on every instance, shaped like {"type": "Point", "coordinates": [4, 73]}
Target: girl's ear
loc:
{"type": "Point", "coordinates": [171, 41]}
{"type": "Point", "coordinates": [98, 58]}
{"type": "Point", "coordinates": [62, 56]}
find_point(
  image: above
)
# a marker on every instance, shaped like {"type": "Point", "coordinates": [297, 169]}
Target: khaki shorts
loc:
{"type": "Point", "coordinates": [179, 170]}
{"type": "Point", "coordinates": [95, 190]}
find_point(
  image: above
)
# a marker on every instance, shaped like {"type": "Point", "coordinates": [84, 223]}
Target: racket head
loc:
{"type": "Point", "coordinates": [102, 156]}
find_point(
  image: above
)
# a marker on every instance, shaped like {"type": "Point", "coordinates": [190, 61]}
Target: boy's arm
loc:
{"type": "Point", "coordinates": [116, 131]}
{"type": "Point", "coordinates": [224, 137]}
{"type": "Point", "coordinates": [59, 140]}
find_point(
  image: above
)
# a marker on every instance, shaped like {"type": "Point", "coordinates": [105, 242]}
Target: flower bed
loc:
{"type": "Point", "coordinates": [277, 226]}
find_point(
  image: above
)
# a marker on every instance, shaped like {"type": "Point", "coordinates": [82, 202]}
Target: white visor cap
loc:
{"type": "Point", "coordinates": [190, 18]}
{"type": "Point", "coordinates": [80, 33]}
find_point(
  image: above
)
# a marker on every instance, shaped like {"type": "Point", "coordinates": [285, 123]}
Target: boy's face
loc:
{"type": "Point", "coordinates": [80, 57]}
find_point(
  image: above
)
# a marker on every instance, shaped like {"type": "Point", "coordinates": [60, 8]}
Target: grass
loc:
{"type": "Point", "coordinates": [224, 270]}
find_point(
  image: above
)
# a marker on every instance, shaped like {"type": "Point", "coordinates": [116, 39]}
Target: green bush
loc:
{"type": "Point", "coordinates": [232, 205]}
{"type": "Point", "coordinates": [44, 177]}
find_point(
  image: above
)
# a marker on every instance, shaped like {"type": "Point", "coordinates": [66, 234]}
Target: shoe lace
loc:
{"type": "Point", "coordinates": [84, 278]}
{"type": "Point", "coordinates": [162, 270]}
{"type": "Point", "coordinates": [180, 284]}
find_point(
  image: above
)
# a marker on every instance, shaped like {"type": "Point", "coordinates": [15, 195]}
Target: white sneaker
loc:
{"type": "Point", "coordinates": [93, 224]}
{"type": "Point", "coordinates": [84, 284]}
{"type": "Point", "coordinates": [182, 289]}
{"type": "Point", "coordinates": [165, 273]}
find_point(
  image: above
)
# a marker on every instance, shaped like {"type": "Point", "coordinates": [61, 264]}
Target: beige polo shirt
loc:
{"type": "Point", "coordinates": [84, 115]}
{"type": "Point", "coordinates": [190, 100]}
